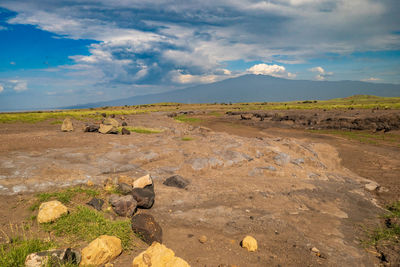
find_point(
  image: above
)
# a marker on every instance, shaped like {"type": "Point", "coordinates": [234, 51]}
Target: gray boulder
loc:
{"type": "Point", "coordinates": [176, 181]}
{"type": "Point", "coordinates": [123, 205]}
{"type": "Point", "coordinates": [144, 196]}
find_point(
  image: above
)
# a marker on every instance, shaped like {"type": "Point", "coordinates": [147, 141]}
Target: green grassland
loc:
{"type": "Point", "coordinates": [356, 102]}
{"type": "Point", "coordinates": [366, 137]}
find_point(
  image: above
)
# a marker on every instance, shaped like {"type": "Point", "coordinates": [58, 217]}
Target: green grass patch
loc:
{"type": "Point", "coordinates": [141, 130]}
{"type": "Point", "coordinates": [390, 231]}
{"type": "Point", "coordinates": [56, 122]}
{"type": "Point", "coordinates": [64, 196]}
{"type": "Point", "coordinates": [184, 118]}
{"type": "Point", "coordinates": [87, 224]}
{"type": "Point", "coordinates": [215, 114]}
{"type": "Point", "coordinates": [364, 136]}
{"type": "Point", "coordinates": [14, 253]}
{"type": "Point", "coordinates": [187, 138]}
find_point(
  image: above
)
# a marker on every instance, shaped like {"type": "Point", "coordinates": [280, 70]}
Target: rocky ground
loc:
{"type": "Point", "coordinates": [291, 190]}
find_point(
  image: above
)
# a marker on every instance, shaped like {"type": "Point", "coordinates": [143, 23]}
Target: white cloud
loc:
{"type": "Point", "coordinates": [180, 78]}
{"type": "Point", "coordinates": [1, 88]}
{"type": "Point", "coordinates": [322, 75]}
{"type": "Point", "coordinates": [19, 86]}
{"type": "Point", "coordinates": [273, 70]}
{"type": "Point", "coordinates": [371, 79]}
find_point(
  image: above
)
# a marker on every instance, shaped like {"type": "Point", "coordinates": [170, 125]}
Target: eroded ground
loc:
{"type": "Point", "coordinates": [289, 189]}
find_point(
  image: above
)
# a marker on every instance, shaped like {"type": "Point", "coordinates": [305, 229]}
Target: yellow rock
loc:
{"type": "Point", "coordinates": [90, 183]}
{"type": "Point", "coordinates": [107, 129]}
{"type": "Point", "coordinates": [143, 181]}
{"type": "Point", "coordinates": [51, 211]}
{"type": "Point", "coordinates": [111, 121]}
{"type": "Point", "coordinates": [158, 255]}
{"type": "Point", "coordinates": [101, 250]}
{"type": "Point", "coordinates": [203, 239]}
{"type": "Point", "coordinates": [250, 243]}
{"type": "Point", "coordinates": [67, 125]}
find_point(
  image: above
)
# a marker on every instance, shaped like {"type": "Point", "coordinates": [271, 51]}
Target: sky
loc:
{"type": "Point", "coordinates": [62, 53]}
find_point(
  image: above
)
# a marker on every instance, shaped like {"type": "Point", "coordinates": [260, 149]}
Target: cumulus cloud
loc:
{"type": "Point", "coordinates": [1, 88]}
{"type": "Point", "coordinates": [166, 43]}
{"type": "Point", "coordinates": [19, 86]}
{"type": "Point", "coordinates": [322, 75]}
{"type": "Point", "coordinates": [273, 70]}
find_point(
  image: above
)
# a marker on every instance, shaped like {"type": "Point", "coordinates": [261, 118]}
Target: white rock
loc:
{"type": "Point", "coordinates": [143, 181]}
{"type": "Point", "coordinates": [372, 186]}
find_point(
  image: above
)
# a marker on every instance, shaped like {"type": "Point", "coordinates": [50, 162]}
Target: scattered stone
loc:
{"type": "Point", "coordinates": [67, 125]}
{"type": "Point", "coordinates": [108, 129]}
{"type": "Point", "coordinates": [250, 243]}
{"type": "Point", "coordinates": [124, 123]}
{"type": "Point", "coordinates": [146, 226]}
{"type": "Point", "coordinates": [89, 183]}
{"type": "Point", "coordinates": [245, 116]}
{"type": "Point", "coordinates": [315, 250]}
{"type": "Point", "coordinates": [56, 257]}
{"type": "Point", "coordinates": [158, 255]}
{"type": "Point", "coordinates": [123, 205]}
{"type": "Point", "coordinates": [372, 186]}
{"type": "Point", "coordinates": [91, 128]}
{"type": "Point", "coordinates": [101, 250]}
{"type": "Point", "coordinates": [96, 203]}
{"type": "Point", "coordinates": [203, 239]}
{"type": "Point", "coordinates": [144, 196]}
{"type": "Point", "coordinates": [110, 121]}
{"type": "Point", "coordinates": [282, 158]}
{"type": "Point", "coordinates": [125, 131]}
{"type": "Point", "coordinates": [51, 211]}
{"type": "Point", "coordinates": [124, 188]}
{"type": "Point", "coordinates": [143, 181]}
{"type": "Point", "coordinates": [298, 161]}
{"type": "Point", "coordinates": [176, 181]}
{"type": "Point", "coordinates": [112, 115]}
{"type": "Point", "coordinates": [104, 115]}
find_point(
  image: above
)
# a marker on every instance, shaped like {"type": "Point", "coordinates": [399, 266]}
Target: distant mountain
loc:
{"type": "Point", "coordinates": [258, 88]}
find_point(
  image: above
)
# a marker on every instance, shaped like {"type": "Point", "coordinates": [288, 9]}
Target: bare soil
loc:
{"type": "Point", "coordinates": [290, 189]}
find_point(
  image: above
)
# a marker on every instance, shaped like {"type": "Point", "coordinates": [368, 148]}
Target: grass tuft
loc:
{"type": "Point", "coordinates": [14, 253]}
{"type": "Point", "coordinates": [56, 122]}
{"type": "Point", "coordinates": [187, 138]}
{"type": "Point", "coordinates": [390, 231]}
{"type": "Point", "coordinates": [87, 224]}
{"type": "Point", "coordinates": [141, 130]}
{"type": "Point", "coordinates": [64, 196]}
{"type": "Point", "coordinates": [184, 118]}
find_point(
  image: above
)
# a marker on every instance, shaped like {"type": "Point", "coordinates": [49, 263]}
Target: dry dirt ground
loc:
{"type": "Point", "coordinates": [290, 189]}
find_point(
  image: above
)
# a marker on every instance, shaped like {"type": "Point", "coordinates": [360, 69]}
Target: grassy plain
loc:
{"type": "Point", "coordinates": [216, 109]}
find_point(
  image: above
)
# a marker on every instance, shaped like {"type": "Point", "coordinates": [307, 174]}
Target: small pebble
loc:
{"type": "Point", "coordinates": [203, 239]}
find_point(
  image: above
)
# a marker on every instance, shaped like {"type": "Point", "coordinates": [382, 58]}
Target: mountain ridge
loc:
{"type": "Point", "coordinates": [257, 88]}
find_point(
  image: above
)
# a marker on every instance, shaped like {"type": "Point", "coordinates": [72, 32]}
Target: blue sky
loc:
{"type": "Point", "coordinates": [60, 53]}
